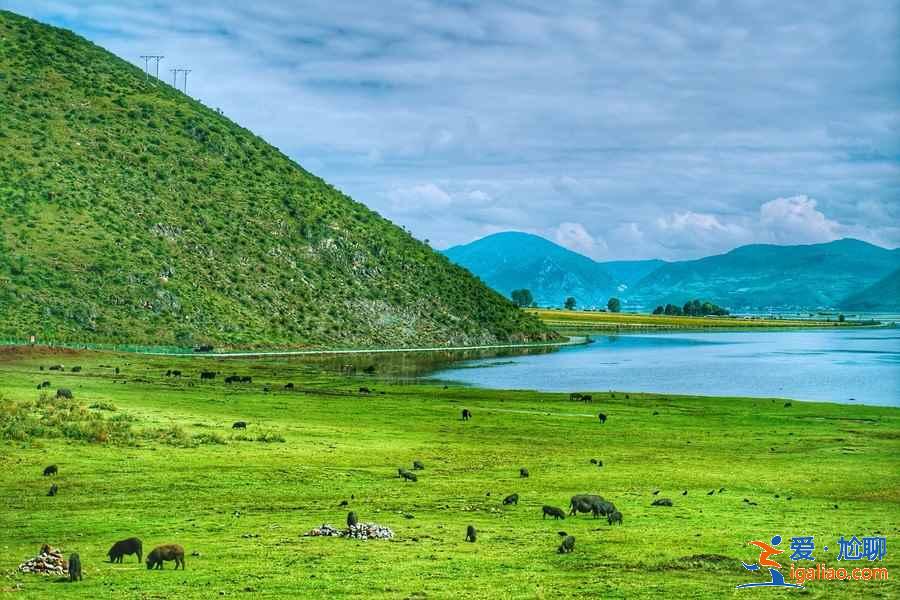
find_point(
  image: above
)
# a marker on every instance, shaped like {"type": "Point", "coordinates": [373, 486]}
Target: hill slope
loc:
{"type": "Point", "coordinates": [759, 276]}
{"type": "Point", "coordinates": [882, 295]}
{"type": "Point", "coordinates": [512, 260]}
{"type": "Point", "coordinates": [132, 213]}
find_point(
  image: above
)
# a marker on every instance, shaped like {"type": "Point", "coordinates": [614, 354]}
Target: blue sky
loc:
{"type": "Point", "coordinates": [620, 129]}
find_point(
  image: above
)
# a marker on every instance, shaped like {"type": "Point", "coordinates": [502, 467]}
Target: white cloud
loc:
{"type": "Point", "coordinates": [795, 220]}
{"type": "Point", "coordinates": [575, 237]}
{"type": "Point", "coordinates": [425, 198]}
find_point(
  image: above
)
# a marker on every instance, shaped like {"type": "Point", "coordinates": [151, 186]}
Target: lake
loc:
{"type": "Point", "coordinates": [833, 365]}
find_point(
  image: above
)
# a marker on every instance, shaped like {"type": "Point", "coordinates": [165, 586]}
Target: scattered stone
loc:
{"type": "Point", "coordinates": [359, 531]}
{"type": "Point", "coordinates": [49, 562]}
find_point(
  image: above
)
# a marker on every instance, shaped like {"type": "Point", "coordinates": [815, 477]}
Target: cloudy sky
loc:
{"type": "Point", "coordinates": [620, 129]}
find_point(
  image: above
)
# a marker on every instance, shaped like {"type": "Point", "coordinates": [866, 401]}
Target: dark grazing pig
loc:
{"type": "Point", "coordinates": [407, 475]}
{"type": "Point", "coordinates": [523, 472]}
{"type": "Point", "coordinates": [466, 414]}
{"type": "Point", "coordinates": [511, 499]}
{"type": "Point", "coordinates": [75, 567]}
{"type": "Point", "coordinates": [53, 490]}
{"type": "Point", "coordinates": [568, 544]}
{"type": "Point", "coordinates": [129, 546]}
{"type": "Point", "coordinates": [584, 503]}
{"type": "Point", "coordinates": [64, 393]}
{"type": "Point", "coordinates": [164, 553]}
{"type": "Point", "coordinates": [556, 513]}
{"type": "Point", "coordinates": [51, 470]}
{"type": "Point", "coordinates": [661, 502]}
{"type": "Point", "coordinates": [417, 465]}
{"type": "Point", "coordinates": [614, 518]}
{"type": "Point", "coordinates": [351, 519]}
{"type": "Point", "coordinates": [470, 533]}
{"type": "Point", "coordinates": [239, 425]}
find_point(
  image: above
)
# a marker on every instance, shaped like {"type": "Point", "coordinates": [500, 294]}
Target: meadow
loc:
{"type": "Point", "coordinates": [573, 319]}
{"type": "Point", "coordinates": [143, 454]}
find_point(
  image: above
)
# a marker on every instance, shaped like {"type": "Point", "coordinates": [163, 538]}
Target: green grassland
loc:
{"type": "Point", "coordinates": [165, 466]}
{"type": "Point", "coordinates": [573, 319]}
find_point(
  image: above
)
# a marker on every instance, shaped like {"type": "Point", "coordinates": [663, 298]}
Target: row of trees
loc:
{"type": "Point", "coordinates": [691, 308]}
{"type": "Point", "coordinates": [524, 298]}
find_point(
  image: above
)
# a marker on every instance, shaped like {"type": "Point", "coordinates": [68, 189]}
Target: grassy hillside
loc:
{"type": "Point", "coordinates": [511, 260]}
{"type": "Point", "coordinates": [808, 469]}
{"type": "Point", "coordinates": [131, 213]}
{"type": "Point", "coordinates": [882, 295]}
{"type": "Point", "coordinates": [761, 276]}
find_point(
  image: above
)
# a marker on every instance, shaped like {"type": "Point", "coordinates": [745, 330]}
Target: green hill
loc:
{"type": "Point", "coordinates": [131, 213]}
{"type": "Point", "coordinates": [511, 260]}
{"type": "Point", "coordinates": [765, 276]}
{"type": "Point", "coordinates": [883, 295]}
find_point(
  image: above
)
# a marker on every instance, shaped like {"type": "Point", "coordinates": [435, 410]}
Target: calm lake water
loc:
{"type": "Point", "coordinates": [848, 366]}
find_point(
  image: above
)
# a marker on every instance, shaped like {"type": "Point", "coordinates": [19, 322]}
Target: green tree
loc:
{"type": "Point", "coordinates": [841, 318]}
{"type": "Point", "coordinates": [522, 297]}
{"type": "Point", "coordinates": [614, 305]}
{"type": "Point", "coordinates": [659, 310]}
{"type": "Point", "coordinates": [570, 303]}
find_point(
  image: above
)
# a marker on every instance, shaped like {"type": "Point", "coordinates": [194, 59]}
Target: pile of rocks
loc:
{"type": "Point", "coordinates": [324, 530]}
{"type": "Point", "coordinates": [366, 531]}
{"type": "Point", "coordinates": [49, 562]}
{"type": "Point", "coordinates": [360, 531]}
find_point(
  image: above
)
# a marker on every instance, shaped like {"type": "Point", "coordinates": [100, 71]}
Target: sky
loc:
{"type": "Point", "coordinates": [622, 130]}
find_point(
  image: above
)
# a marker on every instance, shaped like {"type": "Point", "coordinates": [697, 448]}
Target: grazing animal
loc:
{"type": "Point", "coordinates": [75, 567]}
{"type": "Point", "coordinates": [655, 492]}
{"type": "Point", "coordinates": [587, 398]}
{"type": "Point", "coordinates": [207, 374]}
{"type": "Point", "coordinates": [470, 533]}
{"type": "Point", "coordinates": [602, 418]}
{"type": "Point", "coordinates": [128, 546]}
{"type": "Point", "coordinates": [661, 502]}
{"type": "Point", "coordinates": [584, 503]}
{"type": "Point", "coordinates": [164, 553]}
{"type": "Point", "coordinates": [787, 404]}
{"type": "Point", "coordinates": [289, 386]}
{"type": "Point", "coordinates": [53, 490]}
{"type": "Point", "coordinates": [684, 493]}
{"type": "Point", "coordinates": [44, 384]}
{"type": "Point", "coordinates": [511, 499]}
{"type": "Point", "coordinates": [51, 470]}
{"type": "Point", "coordinates": [710, 492]}
{"type": "Point", "coordinates": [417, 465]}
{"type": "Point", "coordinates": [407, 475]}
{"type": "Point", "coordinates": [57, 368]}
{"type": "Point", "coordinates": [599, 463]}
{"type": "Point", "coordinates": [575, 396]}
{"type": "Point", "coordinates": [627, 397]}
{"type": "Point", "coordinates": [232, 379]}
{"type": "Point", "coordinates": [76, 369]}
{"type": "Point", "coordinates": [593, 461]}
{"type": "Point", "coordinates": [365, 390]}
{"type": "Point", "coordinates": [615, 517]}
{"type": "Point", "coordinates": [203, 348]}
{"type": "Point", "coordinates": [568, 544]}
{"type": "Point", "coordinates": [351, 519]}
{"type": "Point", "coordinates": [369, 370]}
{"type": "Point", "coordinates": [64, 393]}
{"type": "Point", "coordinates": [655, 412]}
{"type": "Point", "coordinates": [523, 472]}
{"type": "Point", "coordinates": [117, 370]}
{"type": "Point", "coordinates": [466, 414]}
{"type": "Point", "coordinates": [556, 513]}
{"type": "Point", "coordinates": [344, 503]}
{"type": "Point", "coordinates": [246, 379]}
{"type": "Point", "coordinates": [721, 490]}
{"type": "Point", "coordinates": [240, 425]}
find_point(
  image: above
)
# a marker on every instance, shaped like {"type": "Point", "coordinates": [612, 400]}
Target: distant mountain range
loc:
{"type": "Point", "coordinates": [846, 273]}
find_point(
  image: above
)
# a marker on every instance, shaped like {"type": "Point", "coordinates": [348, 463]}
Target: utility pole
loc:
{"type": "Point", "coordinates": [185, 71]}
{"type": "Point", "coordinates": [174, 76]}
{"type": "Point", "coordinates": [147, 58]}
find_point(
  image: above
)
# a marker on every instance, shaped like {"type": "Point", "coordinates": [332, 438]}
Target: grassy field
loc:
{"type": "Point", "coordinates": [573, 319]}
{"type": "Point", "coordinates": [165, 466]}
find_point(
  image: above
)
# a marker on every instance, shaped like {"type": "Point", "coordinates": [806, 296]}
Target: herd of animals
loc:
{"type": "Point", "coordinates": [580, 503]}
